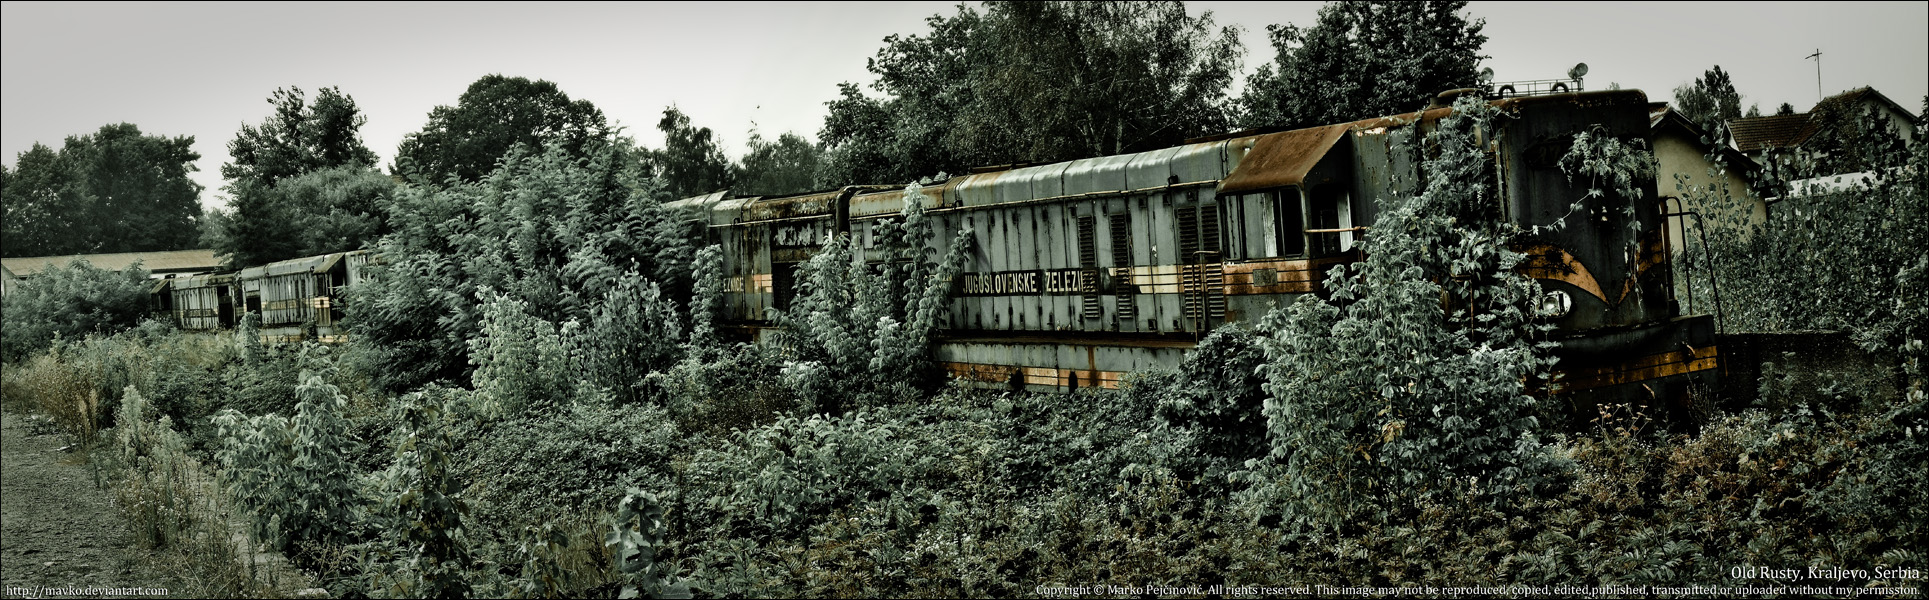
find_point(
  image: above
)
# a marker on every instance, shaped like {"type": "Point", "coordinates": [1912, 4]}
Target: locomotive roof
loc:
{"type": "Point", "coordinates": [310, 264]}
{"type": "Point", "coordinates": [1229, 165]}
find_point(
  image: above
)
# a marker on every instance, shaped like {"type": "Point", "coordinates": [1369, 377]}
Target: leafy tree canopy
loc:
{"type": "Point", "coordinates": [281, 206]}
{"type": "Point", "coordinates": [299, 138]}
{"type": "Point", "coordinates": [115, 191]}
{"type": "Point", "coordinates": [1363, 60]}
{"type": "Point", "coordinates": [335, 209]}
{"type": "Point", "coordinates": [1710, 100]}
{"type": "Point", "coordinates": [786, 165]}
{"type": "Point", "coordinates": [466, 141]}
{"type": "Point", "coordinates": [691, 162]}
{"type": "Point", "coordinates": [1032, 82]}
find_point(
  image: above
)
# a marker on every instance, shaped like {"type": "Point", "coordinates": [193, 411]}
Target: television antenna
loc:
{"type": "Point", "coordinates": [1818, 72]}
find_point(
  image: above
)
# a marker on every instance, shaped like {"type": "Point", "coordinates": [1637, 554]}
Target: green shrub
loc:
{"type": "Point", "coordinates": [636, 535]}
{"type": "Point", "coordinates": [1384, 395]}
{"type": "Point", "coordinates": [859, 335]}
{"type": "Point", "coordinates": [422, 549]}
{"type": "Point", "coordinates": [719, 389]}
{"type": "Point", "coordinates": [635, 330]}
{"type": "Point", "coordinates": [1797, 269]}
{"type": "Point", "coordinates": [71, 302]}
{"type": "Point", "coordinates": [521, 361]}
{"type": "Point", "coordinates": [553, 230]}
{"type": "Point", "coordinates": [155, 480]}
{"type": "Point", "coordinates": [551, 465]}
{"type": "Point", "coordinates": [294, 476]}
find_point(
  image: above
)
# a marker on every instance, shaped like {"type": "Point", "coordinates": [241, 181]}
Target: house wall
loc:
{"type": "Point", "coordinates": [1683, 173]}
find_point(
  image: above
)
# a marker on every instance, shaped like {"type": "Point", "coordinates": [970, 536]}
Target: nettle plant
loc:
{"type": "Point", "coordinates": [1416, 379]}
{"type": "Point", "coordinates": [523, 361]}
{"type": "Point", "coordinates": [294, 476]}
{"type": "Point", "coordinates": [423, 550]}
{"type": "Point", "coordinates": [862, 332]}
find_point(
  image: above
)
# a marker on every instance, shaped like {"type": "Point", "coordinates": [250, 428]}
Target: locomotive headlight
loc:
{"type": "Point", "coordinates": [1556, 304]}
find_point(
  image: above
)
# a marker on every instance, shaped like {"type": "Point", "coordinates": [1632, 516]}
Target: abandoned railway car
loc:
{"type": "Point", "coordinates": [1086, 270]}
{"type": "Point", "coordinates": [296, 299]}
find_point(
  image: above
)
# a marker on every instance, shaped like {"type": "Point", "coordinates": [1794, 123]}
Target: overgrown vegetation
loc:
{"type": "Point", "coordinates": [539, 402]}
{"type": "Point", "coordinates": [71, 301]}
{"type": "Point", "coordinates": [1385, 397]}
{"type": "Point", "coordinates": [1843, 245]}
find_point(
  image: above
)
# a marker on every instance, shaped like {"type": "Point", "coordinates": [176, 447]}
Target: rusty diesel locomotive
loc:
{"type": "Point", "coordinates": [1086, 270]}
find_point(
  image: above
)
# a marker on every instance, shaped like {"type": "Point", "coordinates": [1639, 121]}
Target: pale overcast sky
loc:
{"type": "Point", "coordinates": [205, 69]}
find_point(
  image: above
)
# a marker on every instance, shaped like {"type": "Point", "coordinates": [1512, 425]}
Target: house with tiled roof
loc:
{"type": "Point", "coordinates": [159, 265]}
{"type": "Point", "coordinates": [1758, 137]}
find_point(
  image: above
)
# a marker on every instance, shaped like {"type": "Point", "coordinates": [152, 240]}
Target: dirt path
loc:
{"type": "Point", "coordinates": [57, 529]}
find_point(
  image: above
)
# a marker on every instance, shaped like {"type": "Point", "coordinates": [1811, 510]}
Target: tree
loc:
{"type": "Point", "coordinates": [115, 191]}
{"type": "Point", "coordinates": [270, 220]}
{"type": "Point", "coordinates": [1363, 60]}
{"type": "Point", "coordinates": [1710, 100]}
{"type": "Point", "coordinates": [787, 165]}
{"type": "Point", "coordinates": [299, 138]}
{"type": "Point", "coordinates": [465, 141]}
{"type": "Point", "coordinates": [1035, 82]}
{"type": "Point", "coordinates": [334, 209]}
{"type": "Point", "coordinates": [690, 162]}
{"type": "Point", "coordinates": [41, 213]}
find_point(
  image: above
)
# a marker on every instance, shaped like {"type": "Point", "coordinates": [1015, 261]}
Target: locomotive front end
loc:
{"type": "Point", "coordinates": [1600, 252]}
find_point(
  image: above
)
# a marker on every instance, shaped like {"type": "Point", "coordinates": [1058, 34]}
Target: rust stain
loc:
{"type": "Point", "coordinates": [1548, 262]}
{"type": "Point", "coordinates": [1040, 376]}
{"type": "Point", "coordinates": [1654, 366]}
{"type": "Point", "coordinates": [790, 207]}
{"type": "Point", "coordinates": [1301, 276]}
{"type": "Point", "coordinates": [1282, 159]}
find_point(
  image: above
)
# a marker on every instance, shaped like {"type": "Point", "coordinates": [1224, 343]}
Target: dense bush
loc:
{"type": "Point", "coordinates": [70, 302]}
{"type": "Point", "coordinates": [1412, 381]}
{"type": "Point", "coordinates": [859, 334]}
{"type": "Point", "coordinates": [79, 383]}
{"type": "Point", "coordinates": [556, 464]}
{"type": "Point", "coordinates": [566, 237]}
{"type": "Point", "coordinates": [293, 475]}
{"type": "Point", "coordinates": [1837, 251]}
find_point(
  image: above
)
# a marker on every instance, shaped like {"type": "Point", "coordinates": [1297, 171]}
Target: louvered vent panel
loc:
{"type": "Point", "coordinates": [1212, 266]}
{"type": "Point", "coordinates": [1088, 268]}
{"type": "Point", "coordinates": [1122, 266]}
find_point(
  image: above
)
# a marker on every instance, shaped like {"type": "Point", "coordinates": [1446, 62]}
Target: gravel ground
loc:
{"type": "Point", "coordinates": [57, 530]}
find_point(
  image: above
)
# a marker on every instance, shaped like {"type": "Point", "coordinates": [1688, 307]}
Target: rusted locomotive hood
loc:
{"type": "Point", "coordinates": [1282, 159]}
{"type": "Point", "coordinates": [818, 204]}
